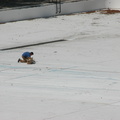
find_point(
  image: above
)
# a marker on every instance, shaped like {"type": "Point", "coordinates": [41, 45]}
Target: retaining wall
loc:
{"type": "Point", "coordinates": [50, 9]}
{"type": "Point", "coordinates": [114, 4]}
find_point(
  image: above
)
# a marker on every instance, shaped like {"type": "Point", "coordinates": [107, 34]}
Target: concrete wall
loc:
{"type": "Point", "coordinates": [26, 13]}
{"type": "Point", "coordinates": [50, 10]}
{"type": "Point", "coordinates": [115, 4]}
{"type": "Point", "coordinates": [89, 5]}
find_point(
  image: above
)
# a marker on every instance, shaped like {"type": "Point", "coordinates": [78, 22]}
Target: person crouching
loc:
{"type": "Point", "coordinates": [26, 58]}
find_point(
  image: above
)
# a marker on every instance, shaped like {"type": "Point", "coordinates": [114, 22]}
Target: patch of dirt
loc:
{"type": "Point", "coordinates": [109, 11]}
{"type": "Point", "coordinates": [106, 11]}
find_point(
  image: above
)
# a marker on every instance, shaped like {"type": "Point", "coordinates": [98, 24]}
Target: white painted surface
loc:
{"type": "Point", "coordinates": [74, 80]}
